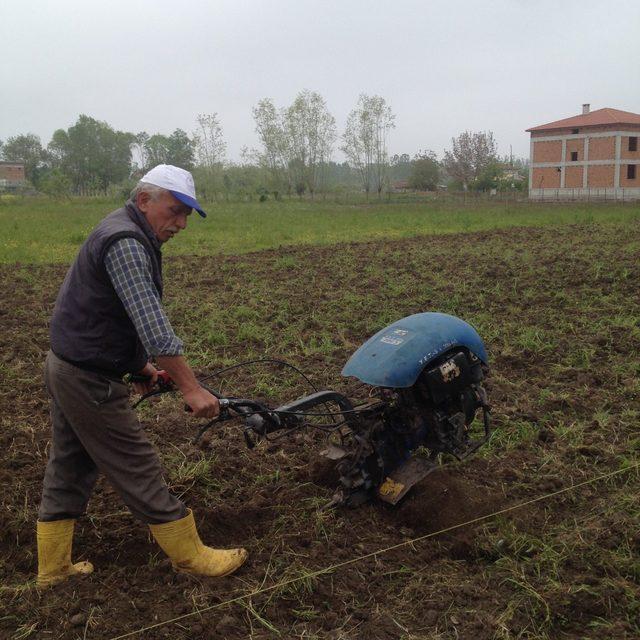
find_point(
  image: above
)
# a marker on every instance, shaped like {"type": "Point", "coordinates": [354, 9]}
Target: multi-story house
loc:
{"type": "Point", "coordinates": [594, 155]}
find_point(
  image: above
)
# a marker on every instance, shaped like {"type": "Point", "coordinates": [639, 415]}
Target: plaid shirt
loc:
{"type": "Point", "coordinates": [129, 268]}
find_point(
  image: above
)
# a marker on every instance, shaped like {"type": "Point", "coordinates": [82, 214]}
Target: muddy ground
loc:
{"type": "Point", "coordinates": [558, 309]}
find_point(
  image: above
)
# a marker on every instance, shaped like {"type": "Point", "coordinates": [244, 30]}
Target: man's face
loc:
{"type": "Point", "coordinates": [166, 215]}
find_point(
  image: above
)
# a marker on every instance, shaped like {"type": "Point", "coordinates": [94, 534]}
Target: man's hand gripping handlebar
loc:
{"type": "Point", "coordinates": [259, 419]}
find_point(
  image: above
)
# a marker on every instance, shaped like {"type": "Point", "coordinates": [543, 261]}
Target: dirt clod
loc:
{"type": "Point", "coordinates": [78, 619]}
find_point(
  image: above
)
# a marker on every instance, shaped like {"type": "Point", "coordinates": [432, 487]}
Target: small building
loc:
{"type": "Point", "coordinates": [594, 155]}
{"type": "Point", "coordinates": [12, 175]}
{"type": "Point", "coordinates": [400, 185]}
{"type": "Point", "coordinates": [511, 175]}
{"type": "Point", "coordinates": [510, 179]}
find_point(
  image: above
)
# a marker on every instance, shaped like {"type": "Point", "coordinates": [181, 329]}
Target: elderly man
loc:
{"type": "Point", "coordinates": [108, 321]}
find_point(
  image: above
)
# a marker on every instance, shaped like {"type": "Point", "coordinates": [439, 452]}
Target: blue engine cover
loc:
{"type": "Point", "coordinates": [396, 356]}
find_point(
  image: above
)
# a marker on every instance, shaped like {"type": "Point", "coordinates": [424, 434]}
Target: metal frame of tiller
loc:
{"type": "Point", "coordinates": [425, 376]}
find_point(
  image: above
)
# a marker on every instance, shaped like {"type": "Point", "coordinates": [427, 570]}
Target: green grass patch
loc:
{"type": "Point", "coordinates": [40, 230]}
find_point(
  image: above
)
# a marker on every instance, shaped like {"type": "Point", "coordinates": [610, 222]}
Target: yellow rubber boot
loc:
{"type": "Point", "coordinates": [180, 541]}
{"type": "Point", "coordinates": [54, 553]}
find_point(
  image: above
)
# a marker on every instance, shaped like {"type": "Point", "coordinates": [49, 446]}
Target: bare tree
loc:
{"type": "Point", "coordinates": [365, 141]}
{"type": "Point", "coordinates": [470, 154]}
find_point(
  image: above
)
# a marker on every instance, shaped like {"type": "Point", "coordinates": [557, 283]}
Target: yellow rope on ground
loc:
{"type": "Point", "coordinates": [333, 567]}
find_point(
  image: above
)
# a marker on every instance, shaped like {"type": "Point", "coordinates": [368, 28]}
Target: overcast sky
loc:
{"type": "Point", "coordinates": [443, 66]}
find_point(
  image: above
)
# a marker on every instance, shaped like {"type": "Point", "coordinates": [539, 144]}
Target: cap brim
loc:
{"type": "Point", "coordinates": [189, 201]}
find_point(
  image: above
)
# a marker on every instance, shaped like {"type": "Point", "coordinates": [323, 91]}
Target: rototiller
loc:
{"type": "Point", "coordinates": [425, 373]}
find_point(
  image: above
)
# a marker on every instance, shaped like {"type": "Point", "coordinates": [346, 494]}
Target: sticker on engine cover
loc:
{"type": "Point", "coordinates": [396, 337]}
{"type": "Point", "coordinates": [432, 354]}
{"type": "Point", "coordinates": [449, 370]}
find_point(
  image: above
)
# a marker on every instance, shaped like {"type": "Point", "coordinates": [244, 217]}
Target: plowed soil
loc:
{"type": "Point", "coordinates": [558, 309]}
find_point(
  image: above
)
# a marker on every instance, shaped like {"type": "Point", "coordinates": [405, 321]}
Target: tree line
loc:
{"type": "Point", "coordinates": [295, 155]}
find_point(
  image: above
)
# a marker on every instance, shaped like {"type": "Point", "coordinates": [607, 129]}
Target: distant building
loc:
{"type": "Point", "coordinates": [511, 175]}
{"type": "Point", "coordinates": [592, 155]}
{"type": "Point", "coordinates": [11, 175]}
{"type": "Point", "coordinates": [400, 185]}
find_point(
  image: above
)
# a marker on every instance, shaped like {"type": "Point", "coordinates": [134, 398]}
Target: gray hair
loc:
{"type": "Point", "coordinates": [144, 187]}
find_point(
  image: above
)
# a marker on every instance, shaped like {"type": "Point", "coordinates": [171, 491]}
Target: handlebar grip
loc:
{"type": "Point", "coordinates": [136, 377]}
{"type": "Point", "coordinates": [163, 377]}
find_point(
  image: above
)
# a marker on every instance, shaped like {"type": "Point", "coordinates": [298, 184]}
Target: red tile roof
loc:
{"type": "Point", "coordinates": [594, 118]}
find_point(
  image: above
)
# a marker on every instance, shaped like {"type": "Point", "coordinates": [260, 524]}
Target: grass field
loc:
{"type": "Point", "coordinates": [45, 231]}
{"type": "Point", "coordinates": [553, 291]}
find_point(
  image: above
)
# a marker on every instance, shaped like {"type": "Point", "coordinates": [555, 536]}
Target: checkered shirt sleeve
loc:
{"type": "Point", "coordinates": [129, 268]}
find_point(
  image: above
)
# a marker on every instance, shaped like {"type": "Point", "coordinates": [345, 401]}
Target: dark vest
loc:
{"type": "Point", "coordinates": [90, 327]}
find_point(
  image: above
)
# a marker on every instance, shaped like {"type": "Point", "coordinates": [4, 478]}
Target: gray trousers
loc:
{"type": "Point", "coordinates": [94, 430]}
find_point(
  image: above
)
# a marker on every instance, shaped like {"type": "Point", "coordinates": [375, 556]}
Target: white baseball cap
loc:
{"type": "Point", "coordinates": [178, 182]}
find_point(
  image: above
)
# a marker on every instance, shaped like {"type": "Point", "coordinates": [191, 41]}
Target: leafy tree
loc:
{"type": "Point", "coordinates": [365, 141]}
{"type": "Point", "coordinates": [91, 153]}
{"type": "Point", "coordinates": [56, 183]}
{"type": "Point", "coordinates": [275, 155]}
{"type": "Point", "coordinates": [340, 175]}
{"type": "Point", "coordinates": [470, 154]}
{"type": "Point", "coordinates": [400, 166]}
{"type": "Point", "coordinates": [209, 143]}
{"type": "Point", "coordinates": [505, 174]}
{"type": "Point", "coordinates": [177, 149]}
{"type": "Point", "coordinates": [297, 141]}
{"type": "Point", "coordinates": [156, 150]}
{"type": "Point", "coordinates": [25, 148]}
{"type": "Point", "coordinates": [425, 171]}
{"type": "Point", "coordinates": [210, 149]}
{"type": "Point", "coordinates": [310, 132]}
{"type": "Point", "coordinates": [244, 180]}
{"type": "Point", "coordinates": [138, 150]}
{"type": "Point", "coordinates": [181, 150]}
{"type": "Point", "coordinates": [490, 177]}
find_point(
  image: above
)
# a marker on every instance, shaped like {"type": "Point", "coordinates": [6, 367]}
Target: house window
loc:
{"type": "Point", "coordinates": [633, 143]}
{"type": "Point", "coordinates": [631, 172]}
{"type": "Point", "coordinates": [574, 156]}
{"type": "Point", "coordinates": [575, 130]}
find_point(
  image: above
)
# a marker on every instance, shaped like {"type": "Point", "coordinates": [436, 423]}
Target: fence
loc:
{"type": "Point", "coordinates": [589, 194]}
{"type": "Point", "coordinates": [357, 198]}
